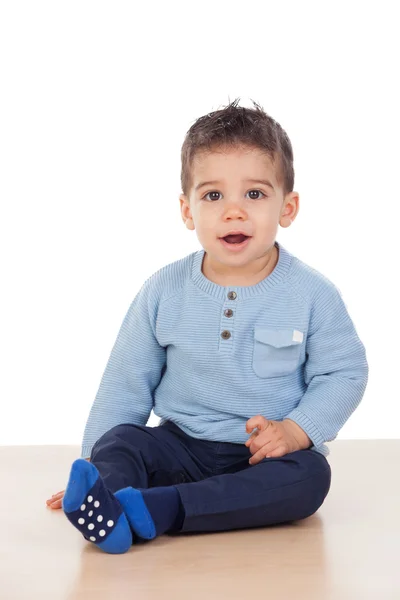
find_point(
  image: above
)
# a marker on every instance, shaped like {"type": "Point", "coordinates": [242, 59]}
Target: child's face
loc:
{"type": "Point", "coordinates": [233, 202]}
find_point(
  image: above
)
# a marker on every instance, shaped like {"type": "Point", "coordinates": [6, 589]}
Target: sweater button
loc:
{"type": "Point", "coordinates": [232, 295]}
{"type": "Point", "coordinates": [228, 312]}
{"type": "Point", "coordinates": [226, 335]}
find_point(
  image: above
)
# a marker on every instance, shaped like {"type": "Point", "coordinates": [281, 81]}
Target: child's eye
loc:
{"type": "Point", "coordinates": [250, 191]}
{"type": "Point", "coordinates": [210, 193]}
{"type": "Point", "coordinates": [258, 192]}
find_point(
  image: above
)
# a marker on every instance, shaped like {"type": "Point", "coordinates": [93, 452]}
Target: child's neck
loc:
{"type": "Point", "coordinates": [243, 280]}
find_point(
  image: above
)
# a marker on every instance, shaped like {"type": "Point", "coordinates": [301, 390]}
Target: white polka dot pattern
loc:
{"type": "Point", "coordinates": [96, 524]}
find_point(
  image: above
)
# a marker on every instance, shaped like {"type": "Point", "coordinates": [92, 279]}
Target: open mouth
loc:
{"type": "Point", "coordinates": [238, 238]}
{"type": "Point", "coordinates": [235, 242]}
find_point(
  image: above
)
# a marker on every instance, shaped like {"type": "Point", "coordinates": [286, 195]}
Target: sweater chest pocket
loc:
{"type": "Point", "coordinates": [276, 352]}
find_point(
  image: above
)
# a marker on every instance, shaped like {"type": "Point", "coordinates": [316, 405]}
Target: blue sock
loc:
{"type": "Point", "coordinates": [95, 511]}
{"type": "Point", "coordinates": [152, 512]}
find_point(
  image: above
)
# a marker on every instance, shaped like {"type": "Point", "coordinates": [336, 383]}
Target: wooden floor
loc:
{"type": "Point", "coordinates": [348, 550]}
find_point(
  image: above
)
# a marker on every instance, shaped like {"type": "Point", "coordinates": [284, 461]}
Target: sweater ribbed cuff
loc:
{"type": "Point", "coordinates": [307, 425]}
{"type": "Point", "coordinates": [86, 451]}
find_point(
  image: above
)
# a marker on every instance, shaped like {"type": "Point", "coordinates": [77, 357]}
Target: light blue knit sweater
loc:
{"type": "Point", "coordinates": [209, 357]}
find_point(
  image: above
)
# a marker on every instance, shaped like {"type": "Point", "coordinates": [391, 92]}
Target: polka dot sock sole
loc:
{"type": "Point", "coordinates": [94, 510]}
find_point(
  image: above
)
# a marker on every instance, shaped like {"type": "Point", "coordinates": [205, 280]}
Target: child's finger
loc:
{"type": "Point", "coordinates": [55, 502]}
{"type": "Point", "coordinates": [258, 421]}
{"type": "Point", "coordinates": [258, 456]}
{"type": "Point", "coordinates": [251, 438]}
{"type": "Point", "coordinates": [55, 497]}
{"type": "Point", "coordinates": [55, 505]}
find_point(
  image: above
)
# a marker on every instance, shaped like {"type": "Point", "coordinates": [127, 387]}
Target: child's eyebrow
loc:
{"type": "Point", "coordinates": [262, 181]}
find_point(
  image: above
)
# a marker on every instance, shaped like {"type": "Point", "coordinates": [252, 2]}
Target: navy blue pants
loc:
{"type": "Point", "coordinates": [219, 489]}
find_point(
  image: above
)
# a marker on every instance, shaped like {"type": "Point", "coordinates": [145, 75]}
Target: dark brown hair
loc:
{"type": "Point", "coordinates": [235, 126]}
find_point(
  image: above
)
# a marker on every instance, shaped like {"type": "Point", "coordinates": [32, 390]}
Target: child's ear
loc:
{"type": "Point", "coordinates": [186, 212]}
{"type": "Point", "coordinates": [290, 209]}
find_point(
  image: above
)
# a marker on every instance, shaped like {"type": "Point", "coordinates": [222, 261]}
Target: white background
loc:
{"type": "Point", "coordinates": [96, 98]}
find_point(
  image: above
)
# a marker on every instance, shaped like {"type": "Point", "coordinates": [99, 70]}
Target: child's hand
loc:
{"type": "Point", "coordinates": [56, 500]}
{"type": "Point", "coordinates": [273, 439]}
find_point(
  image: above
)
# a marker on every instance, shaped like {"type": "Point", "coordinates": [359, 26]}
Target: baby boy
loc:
{"type": "Point", "coordinates": [238, 339]}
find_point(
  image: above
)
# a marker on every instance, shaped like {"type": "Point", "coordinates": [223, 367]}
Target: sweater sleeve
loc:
{"type": "Point", "coordinates": [335, 371]}
{"type": "Point", "coordinates": [133, 371]}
